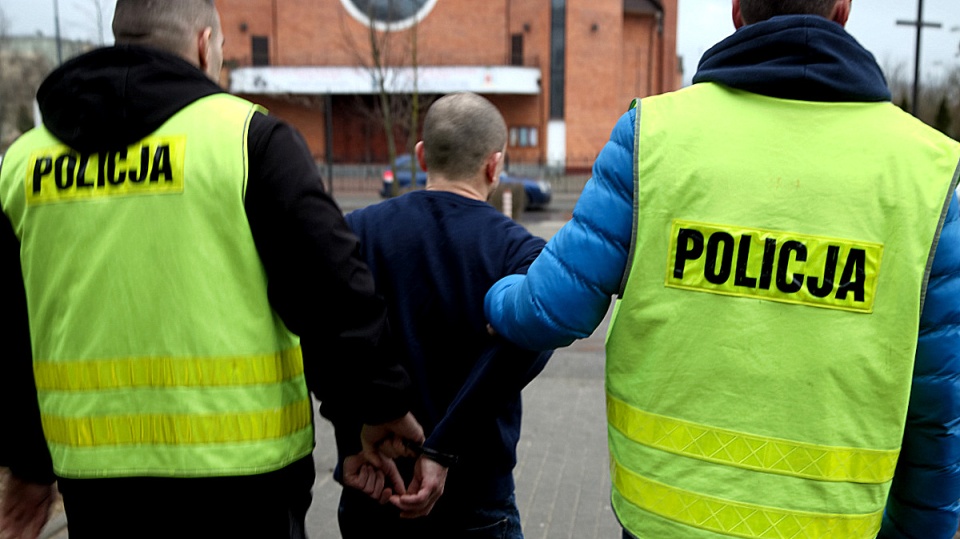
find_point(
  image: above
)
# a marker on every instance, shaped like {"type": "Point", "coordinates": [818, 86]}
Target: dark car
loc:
{"type": "Point", "coordinates": [402, 166]}
{"type": "Point", "coordinates": [537, 192]}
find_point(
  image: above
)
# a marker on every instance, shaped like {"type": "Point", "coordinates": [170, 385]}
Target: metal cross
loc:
{"type": "Point", "coordinates": [920, 24]}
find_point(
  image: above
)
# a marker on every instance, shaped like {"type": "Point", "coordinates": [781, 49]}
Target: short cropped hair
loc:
{"type": "Point", "coordinates": [459, 132]}
{"type": "Point", "coordinates": [754, 11]}
{"type": "Point", "coordinates": [168, 25]}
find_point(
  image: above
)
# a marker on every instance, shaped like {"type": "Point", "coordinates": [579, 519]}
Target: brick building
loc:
{"type": "Point", "coordinates": [561, 71]}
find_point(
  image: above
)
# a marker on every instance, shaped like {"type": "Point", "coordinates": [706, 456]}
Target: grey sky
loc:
{"type": "Point", "coordinates": [873, 22]}
{"type": "Point", "coordinates": [701, 24]}
{"type": "Point", "coordinates": [77, 17]}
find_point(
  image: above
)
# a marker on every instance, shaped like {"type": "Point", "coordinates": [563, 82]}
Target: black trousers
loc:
{"type": "Point", "coordinates": [268, 506]}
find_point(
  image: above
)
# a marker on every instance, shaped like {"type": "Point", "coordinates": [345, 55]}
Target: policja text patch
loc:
{"type": "Point", "coordinates": [777, 266]}
{"type": "Point", "coordinates": [151, 166]}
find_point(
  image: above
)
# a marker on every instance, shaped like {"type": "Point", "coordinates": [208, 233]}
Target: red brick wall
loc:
{"type": "Point", "coordinates": [670, 65]}
{"type": "Point", "coordinates": [358, 133]}
{"type": "Point", "coordinates": [256, 15]}
{"type": "Point", "coordinates": [593, 78]}
{"type": "Point", "coordinates": [522, 111]}
{"type": "Point", "coordinates": [322, 32]}
{"type": "Point", "coordinates": [639, 57]}
{"type": "Point", "coordinates": [605, 68]}
{"type": "Point", "coordinates": [530, 18]}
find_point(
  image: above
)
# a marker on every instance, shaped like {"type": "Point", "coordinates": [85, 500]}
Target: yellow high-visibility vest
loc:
{"type": "Point", "coordinates": [156, 351]}
{"type": "Point", "coordinates": [760, 358]}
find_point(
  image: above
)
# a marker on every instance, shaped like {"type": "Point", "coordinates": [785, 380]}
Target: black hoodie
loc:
{"type": "Point", "coordinates": [112, 97]}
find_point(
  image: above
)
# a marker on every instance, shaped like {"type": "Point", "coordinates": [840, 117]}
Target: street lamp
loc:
{"type": "Point", "coordinates": [56, 21]}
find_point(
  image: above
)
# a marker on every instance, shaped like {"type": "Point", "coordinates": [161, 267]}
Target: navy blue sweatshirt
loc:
{"type": "Point", "coordinates": [434, 255]}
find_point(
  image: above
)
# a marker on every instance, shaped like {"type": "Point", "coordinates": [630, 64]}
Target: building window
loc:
{"type": "Point", "coordinates": [558, 57]}
{"type": "Point", "coordinates": [523, 137]}
{"type": "Point", "coordinates": [389, 15]}
{"type": "Point", "coordinates": [516, 50]}
{"type": "Point", "coordinates": [261, 50]}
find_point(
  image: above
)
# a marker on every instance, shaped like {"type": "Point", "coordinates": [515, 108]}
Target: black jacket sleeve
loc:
{"type": "Point", "coordinates": [23, 448]}
{"type": "Point", "coordinates": [317, 281]}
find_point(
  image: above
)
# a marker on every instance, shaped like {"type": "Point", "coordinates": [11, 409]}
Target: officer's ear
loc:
{"type": "Point", "coordinates": [737, 17]}
{"type": "Point", "coordinates": [841, 12]}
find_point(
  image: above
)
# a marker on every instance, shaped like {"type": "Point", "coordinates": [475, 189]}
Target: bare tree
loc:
{"type": "Point", "coordinates": [94, 11]}
{"type": "Point", "coordinates": [379, 60]}
{"type": "Point", "coordinates": [415, 104]}
{"type": "Point", "coordinates": [939, 98]}
{"type": "Point", "coordinates": [951, 96]}
{"type": "Point", "coordinates": [21, 73]}
{"type": "Point", "coordinates": [899, 83]}
{"type": "Point", "coordinates": [384, 55]}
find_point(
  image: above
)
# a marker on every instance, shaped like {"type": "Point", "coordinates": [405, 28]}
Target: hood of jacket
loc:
{"type": "Point", "coordinates": [112, 97]}
{"type": "Point", "coordinates": [800, 57]}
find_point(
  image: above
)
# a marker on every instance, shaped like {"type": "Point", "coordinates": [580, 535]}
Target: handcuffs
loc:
{"type": "Point", "coordinates": [444, 459]}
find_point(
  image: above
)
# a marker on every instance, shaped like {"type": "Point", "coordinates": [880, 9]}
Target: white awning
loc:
{"type": "Point", "coordinates": [357, 80]}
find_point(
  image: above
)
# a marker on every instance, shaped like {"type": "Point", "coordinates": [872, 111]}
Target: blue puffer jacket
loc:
{"type": "Point", "coordinates": [568, 288]}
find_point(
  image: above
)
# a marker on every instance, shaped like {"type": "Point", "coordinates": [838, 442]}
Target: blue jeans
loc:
{"type": "Point", "coordinates": [362, 518]}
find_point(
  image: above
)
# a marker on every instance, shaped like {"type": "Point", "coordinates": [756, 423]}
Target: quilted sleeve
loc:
{"type": "Point", "coordinates": [923, 501]}
{"type": "Point", "coordinates": [568, 288]}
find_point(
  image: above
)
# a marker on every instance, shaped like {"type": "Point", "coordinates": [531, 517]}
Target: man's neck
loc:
{"type": "Point", "coordinates": [473, 189]}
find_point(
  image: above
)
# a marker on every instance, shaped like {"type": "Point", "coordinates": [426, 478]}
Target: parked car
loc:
{"type": "Point", "coordinates": [402, 166]}
{"type": "Point", "coordinates": [538, 192]}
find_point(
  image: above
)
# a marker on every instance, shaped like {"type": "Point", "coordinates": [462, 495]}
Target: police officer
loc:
{"type": "Point", "coordinates": [782, 243]}
{"type": "Point", "coordinates": [185, 281]}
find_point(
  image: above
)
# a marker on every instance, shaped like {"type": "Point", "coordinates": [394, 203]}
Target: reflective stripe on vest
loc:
{"type": "Point", "coordinates": [169, 372]}
{"type": "Point", "coordinates": [285, 366]}
{"type": "Point", "coordinates": [177, 429]}
{"type": "Point", "coordinates": [750, 451]}
{"type": "Point", "coordinates": [760, 357]}
{"type": "Point", "coordinates": [737, 519]}
{"type": "Point", "coordinates": [156, 350]}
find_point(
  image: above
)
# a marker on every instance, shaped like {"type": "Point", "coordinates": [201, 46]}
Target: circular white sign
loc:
{"type": "Point", "coordinates": [389, 15]}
